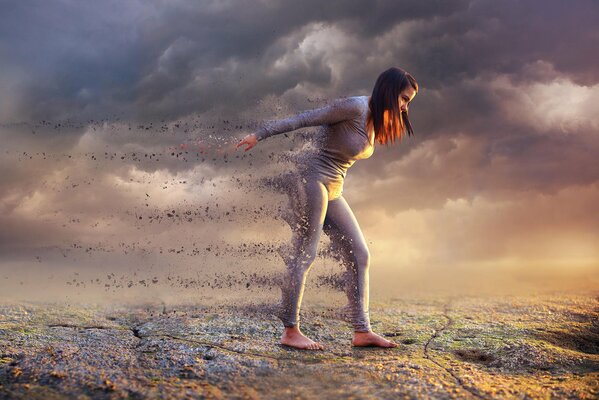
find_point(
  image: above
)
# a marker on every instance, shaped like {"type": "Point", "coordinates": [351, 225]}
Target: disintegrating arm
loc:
{"type": "Point", "coordinates": [339, 110]}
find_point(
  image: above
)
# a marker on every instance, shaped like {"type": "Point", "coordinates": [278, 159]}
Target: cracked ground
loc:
{"type": "Point", "coordinates": [479, 347]}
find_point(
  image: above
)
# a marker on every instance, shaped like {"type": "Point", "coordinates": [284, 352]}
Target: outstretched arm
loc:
{"type": "Point", "coordinates": [339, 110]}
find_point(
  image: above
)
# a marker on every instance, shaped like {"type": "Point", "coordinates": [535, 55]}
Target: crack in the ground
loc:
{"type": "Point", "coordinates": [429, 357]}
{"type": "Point", "coordinates": [134, 330]}
{"type": "Point", "coordinates": [136, 333]}
{"type": "Point", "coordinates": [73, 326]}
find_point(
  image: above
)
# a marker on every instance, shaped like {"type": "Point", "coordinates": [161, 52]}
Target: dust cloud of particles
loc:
{"type": "Point", "coordinates": [157, 210]}
{"type": "Point", "coordinates": [108, 209]}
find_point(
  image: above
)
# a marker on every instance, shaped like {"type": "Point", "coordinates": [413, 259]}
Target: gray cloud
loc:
{"type": "Point", "coordinates": [157, 60]}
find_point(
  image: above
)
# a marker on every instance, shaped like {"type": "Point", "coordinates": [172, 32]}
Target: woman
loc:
{"type": "Point", "coordinates": [350, 126]}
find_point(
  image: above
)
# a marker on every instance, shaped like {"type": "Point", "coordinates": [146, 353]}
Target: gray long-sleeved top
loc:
{"type": "Point", "coordinates": [344, 138]}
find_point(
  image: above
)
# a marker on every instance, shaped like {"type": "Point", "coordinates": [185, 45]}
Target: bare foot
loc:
{"type": "Point", "coordinates": [364, 339]}
{"type": "Point", "coordinates": [294, 338]}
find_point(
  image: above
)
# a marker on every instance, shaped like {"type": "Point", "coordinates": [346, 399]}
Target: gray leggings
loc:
{"type": "Point", "coordinates": [312, 214]}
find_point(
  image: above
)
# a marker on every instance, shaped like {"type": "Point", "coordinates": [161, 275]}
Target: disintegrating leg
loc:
{"type": "Point", "coordinates": [310, 203]}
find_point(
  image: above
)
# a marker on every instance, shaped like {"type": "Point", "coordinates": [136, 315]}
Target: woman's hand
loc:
{"type": "Point", "coordinates": [250, 140]}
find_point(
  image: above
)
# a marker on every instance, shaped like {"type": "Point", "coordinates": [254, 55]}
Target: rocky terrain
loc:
{"type": "Point", "coordinates": [477, 347]}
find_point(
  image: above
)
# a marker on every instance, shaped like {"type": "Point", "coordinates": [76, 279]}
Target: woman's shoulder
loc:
{"type": "Point", "coordinates": [353, 100]}
{"type": "Point", "coordinates": [353, 104]}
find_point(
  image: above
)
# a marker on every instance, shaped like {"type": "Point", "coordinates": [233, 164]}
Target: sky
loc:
{"type": "Point", "coordinates": [97, 192]}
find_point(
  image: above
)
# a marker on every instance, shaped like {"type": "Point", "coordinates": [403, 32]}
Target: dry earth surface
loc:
{"type": "Point", "coordinates": [467, 347]}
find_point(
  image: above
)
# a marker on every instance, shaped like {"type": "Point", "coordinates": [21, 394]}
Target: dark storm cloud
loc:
{"type": "Point", "coordinates": [65, 57]}
{"type": "Point", "coordinates": [505, 37]}
{"type": "Point", "coordinates": [168, 59]}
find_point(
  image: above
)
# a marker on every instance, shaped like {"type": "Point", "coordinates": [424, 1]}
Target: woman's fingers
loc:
{"type": "Point", "coordinates": [247, 148]}
{"type": "Point", "coordinates": [246, 140]}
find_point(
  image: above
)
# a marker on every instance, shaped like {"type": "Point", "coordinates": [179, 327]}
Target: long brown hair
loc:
{"type": "Point", "coordinates": [390, 123]}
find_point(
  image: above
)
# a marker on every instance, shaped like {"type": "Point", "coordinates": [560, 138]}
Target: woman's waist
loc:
{"type": "Point", "coordinates": [329, 166]}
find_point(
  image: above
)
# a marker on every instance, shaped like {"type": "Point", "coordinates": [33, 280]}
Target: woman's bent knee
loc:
{"type": "Point", "coordinates": [303, 262]}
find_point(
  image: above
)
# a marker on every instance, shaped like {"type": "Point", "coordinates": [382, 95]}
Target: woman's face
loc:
{"type": "Point", "coordinates": [405, 97]}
